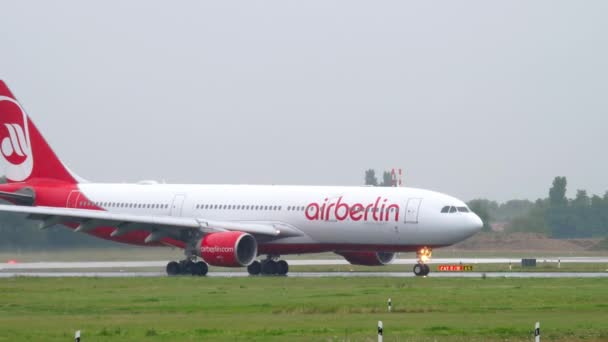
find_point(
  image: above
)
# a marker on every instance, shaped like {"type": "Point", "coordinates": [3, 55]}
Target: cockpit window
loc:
{"type": "Point", "coordinates": [463, 209]}
{"type": "Point", "coordinates": [445, 209]}
{"type": "Point", "coordinates": [452, 210]}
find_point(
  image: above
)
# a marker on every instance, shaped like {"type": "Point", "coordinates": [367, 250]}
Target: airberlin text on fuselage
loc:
{"type": "Point", "coordinates": [379, 210]}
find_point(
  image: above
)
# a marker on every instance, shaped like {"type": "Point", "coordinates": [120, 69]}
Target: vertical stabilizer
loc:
{"type": "Point", "coordinates": [26, 154]}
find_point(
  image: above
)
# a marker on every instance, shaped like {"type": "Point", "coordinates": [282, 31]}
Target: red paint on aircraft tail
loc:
{"type": "Point", "coordinates": [28, 156]}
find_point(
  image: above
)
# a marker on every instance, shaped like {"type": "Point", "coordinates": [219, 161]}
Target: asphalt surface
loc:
{"type": "Point", "coordinates": [116, 269]}
{"type": "Point", "coordinates": [297, 262]}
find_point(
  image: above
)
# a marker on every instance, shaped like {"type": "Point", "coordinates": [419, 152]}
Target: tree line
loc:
{"type": "Point", "coordinates": [556, 215]}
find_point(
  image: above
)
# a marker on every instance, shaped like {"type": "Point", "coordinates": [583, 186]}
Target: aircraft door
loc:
{"type": "Point", "coordinates": [411, 211]}
{"type": "Point", "coordinates": [176, 206]}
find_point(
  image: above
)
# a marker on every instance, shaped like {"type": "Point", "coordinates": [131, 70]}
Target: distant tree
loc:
{"type": "Point", "coordinates": [557, 215]}
{"type": "Point", "coordinates": [581, 199]}
{"type": "Point", "coordinates": [557, 193]}
{"type": "Point", "coordinates": [598, 213]}
{"type": "Point", "coordinates": [387, 179]}
{"type": "Point", "coordinates": [534, 221]}
{"type": "Point", "coordinates": [480, 207]}
{"type": "Point", "coordinates": [510, 210]}
{"type": "Point", "coordinates": [370, 177]}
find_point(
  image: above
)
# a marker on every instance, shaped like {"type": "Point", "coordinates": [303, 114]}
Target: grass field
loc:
{"type": "Point", "coordinates": [302, 309]}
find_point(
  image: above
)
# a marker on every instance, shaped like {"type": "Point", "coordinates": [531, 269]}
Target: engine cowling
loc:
{"type": "Point", "coordinates": [366, 258]}
{"type": "Point", "coordinates": [228, 249]}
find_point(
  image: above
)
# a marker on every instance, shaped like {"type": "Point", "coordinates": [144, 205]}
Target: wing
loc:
{"type": "Point", "coordinates": [160, 227]}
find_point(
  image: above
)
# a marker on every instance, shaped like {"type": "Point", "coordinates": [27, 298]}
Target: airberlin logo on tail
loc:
{"type": "Point", "coordinates": [379, 210]}
{"type": "Point", "coordinates": [15, 144]}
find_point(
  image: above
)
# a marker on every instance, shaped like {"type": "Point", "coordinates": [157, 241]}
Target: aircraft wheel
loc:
{"type": "Point", "coordinates": [254, 268]}
{"type": "Point", "coordinates": [282, 267]}
{"type": "Point", "coordinates": [186, 267]}
{"type": "Point", "coordinates": [269, 267]}
{"type": "Point", "coordinates": [419, 270]}
{"type": "Point", "coordinates": [426, 268]}
{"type": "Point", "coordinates": [173, 268]}
{"type": "Point", "coordinates": [199, 268]}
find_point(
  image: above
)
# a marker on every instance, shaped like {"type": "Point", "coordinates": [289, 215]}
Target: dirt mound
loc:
{"type": "Point", "coordinates": [524, 242]}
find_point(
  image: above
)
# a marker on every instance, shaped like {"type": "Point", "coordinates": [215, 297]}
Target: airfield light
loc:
{"type": "Point", "coordinates": [425, 254]}
{"type": "Point", "coordinates": [12, 262]}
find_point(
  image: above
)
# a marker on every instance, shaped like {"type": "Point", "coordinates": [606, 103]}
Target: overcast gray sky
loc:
{"type": "Point", "coordinates": [472, 98]}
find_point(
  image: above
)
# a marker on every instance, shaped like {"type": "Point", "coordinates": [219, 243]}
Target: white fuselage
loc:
{"type": "Point", "coordinates": [378, 216]}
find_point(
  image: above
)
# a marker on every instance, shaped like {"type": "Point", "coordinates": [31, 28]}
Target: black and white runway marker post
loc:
{"type": "Point", "coordinates": [380, 331]}
{"type": "Point", "coordinates": [77, 336]}
{"type": "Point", "coordinates": [537, 332]}
{"type": "Point", "coordinates": [390, 305]}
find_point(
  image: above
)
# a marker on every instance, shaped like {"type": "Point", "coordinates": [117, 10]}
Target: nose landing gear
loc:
{"type": "Point", "coordinates": [424, 255]}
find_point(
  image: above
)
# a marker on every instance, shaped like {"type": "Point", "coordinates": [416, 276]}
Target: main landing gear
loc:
{"type": "Point", "coordinates": [270, 266]}
{"type": "Point", "coordinates": [423, 255]}
{"type": "Point", "coordinates": [190, 267]}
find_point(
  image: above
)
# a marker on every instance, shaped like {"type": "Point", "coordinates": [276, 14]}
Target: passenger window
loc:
{"type": "Point", "coordinates": [452, 210]}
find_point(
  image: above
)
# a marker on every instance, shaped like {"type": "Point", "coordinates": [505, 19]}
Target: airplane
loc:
{"type": "Point", "coordinates": [226, 225]}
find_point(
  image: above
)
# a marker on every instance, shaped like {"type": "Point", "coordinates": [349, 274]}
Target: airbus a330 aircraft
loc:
{"type": "Point", "coordinates": [226, 225]}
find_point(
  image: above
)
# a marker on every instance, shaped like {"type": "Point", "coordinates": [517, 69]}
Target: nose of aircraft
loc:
{"type": "Point", "coordinates": [477, 223]}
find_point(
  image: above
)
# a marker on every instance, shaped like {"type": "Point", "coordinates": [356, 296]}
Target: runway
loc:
{"type": "Point", "coordinates": [119, 269]}
{"type": "Point", "coordinates": [294, 262]}
{"type": "Point", "coordinates": [315, 274]}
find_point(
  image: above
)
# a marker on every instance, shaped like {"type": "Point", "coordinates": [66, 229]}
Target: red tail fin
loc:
{"type": "Point", "coordinates": [25, 152]}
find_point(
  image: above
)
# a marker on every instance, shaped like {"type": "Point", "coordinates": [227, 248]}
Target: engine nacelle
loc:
{"type": "Point", "coordinates": [368, 258]}
{"type": "Point", "coordinates": [228, 249]}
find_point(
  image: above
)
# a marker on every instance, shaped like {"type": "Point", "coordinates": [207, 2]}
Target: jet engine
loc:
{"type": "Point", "coordinates": [368, 258]}
{"type": "Point", "coordinates": [229, 249]}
